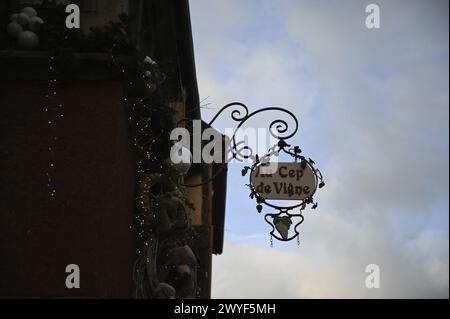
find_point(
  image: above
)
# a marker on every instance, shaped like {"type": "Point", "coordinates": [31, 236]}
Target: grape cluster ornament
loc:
{"type": "Point", "coordinates": [24, 28]}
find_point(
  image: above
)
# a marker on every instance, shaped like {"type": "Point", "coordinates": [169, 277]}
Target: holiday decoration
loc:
{"type": "Point", "coordinates": [165, 265]}
{"type": "Point", "coordinates": [14, 29]}
{"type": "Point", "coordinates": [24, 27]}
{"type": "Point", "coordinates": [148, 60]}
{"type": "Point", "coordinates": [23, 19]}
{"type": "Point", "coordinates": [180, 269]}
{"type": "Point", "coordinates": [174, 214]}
{"type": "Point", "coordinates": [36, 24]}
{"type": "Point", "coordinates": [30, 12]}
{"type": "Point", "coordinates": [181, 158]}
{"type": "Point", "coordinates": [164, 291]}
{"type": "Point", "coordinates": [28, 40]}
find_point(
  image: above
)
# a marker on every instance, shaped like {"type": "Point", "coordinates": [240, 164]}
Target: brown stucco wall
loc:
{"type": "Point", "coordinates": [88, 221]}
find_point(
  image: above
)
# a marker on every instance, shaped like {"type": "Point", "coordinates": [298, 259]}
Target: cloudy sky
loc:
{"type": "Point", "coordinates": [373, 107]}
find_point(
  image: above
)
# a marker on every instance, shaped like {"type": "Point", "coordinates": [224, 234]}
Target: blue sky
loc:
{"type": "Point", "coordinates": [373, 108]}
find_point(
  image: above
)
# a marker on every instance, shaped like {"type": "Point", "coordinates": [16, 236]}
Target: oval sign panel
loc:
{"type": "Point", "coordinates": [284, 181]}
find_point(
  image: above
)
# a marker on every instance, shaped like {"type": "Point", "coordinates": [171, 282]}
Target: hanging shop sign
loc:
{"type": "Point", "coordinates": [273, 183]}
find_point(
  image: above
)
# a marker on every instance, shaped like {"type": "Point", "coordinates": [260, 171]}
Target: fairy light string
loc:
{"type": "Point", "coordinates": [54, 112]}
{"type": "Point", "coordinates": [150, 122]}
{"type": "Point", "coordinates": [147, 94]}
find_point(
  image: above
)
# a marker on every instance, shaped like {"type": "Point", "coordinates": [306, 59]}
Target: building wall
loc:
{"type": "Point", "coordinates": [87, 222]}
{"type": "Point", "coordinates": [100, 12]}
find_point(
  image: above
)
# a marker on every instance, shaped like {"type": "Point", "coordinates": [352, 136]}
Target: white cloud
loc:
{"type": "Point", "coordinates": [373, 107]}
{"type": "Point", "coordinates": [386, 109]}
{"type": "Point", "coordinates": [334, 266]}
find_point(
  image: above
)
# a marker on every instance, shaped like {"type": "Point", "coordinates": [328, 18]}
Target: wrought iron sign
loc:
{"type": "Point", "coordinates": [271, 181]}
